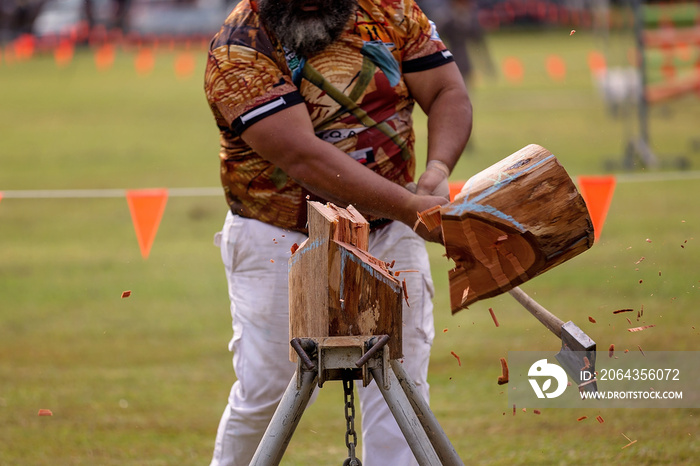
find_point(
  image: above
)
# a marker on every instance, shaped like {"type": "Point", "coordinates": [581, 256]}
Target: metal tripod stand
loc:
{"type": "Point", "coordinates": [361, 358]}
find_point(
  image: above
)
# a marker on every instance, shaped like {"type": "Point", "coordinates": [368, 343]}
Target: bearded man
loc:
{"type": "Point", "coordinates": [313, 100]}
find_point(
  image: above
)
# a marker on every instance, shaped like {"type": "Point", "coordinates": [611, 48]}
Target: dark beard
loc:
{"type": "Point", "coordinates": [306, 33]}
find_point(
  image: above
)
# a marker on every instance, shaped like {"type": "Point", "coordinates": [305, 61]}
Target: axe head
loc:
{"type": "Point", "coordinates": [577, 356]}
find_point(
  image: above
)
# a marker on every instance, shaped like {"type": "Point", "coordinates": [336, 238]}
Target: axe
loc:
{"type": "Point", "coordinates": [575, 345]}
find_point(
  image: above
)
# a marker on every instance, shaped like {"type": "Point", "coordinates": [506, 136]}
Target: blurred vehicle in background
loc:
{"type": "Point", "coordinates": [142, 17]}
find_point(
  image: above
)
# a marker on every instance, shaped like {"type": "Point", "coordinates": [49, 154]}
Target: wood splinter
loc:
{"type": "Point", "coordinates": [503, 378]}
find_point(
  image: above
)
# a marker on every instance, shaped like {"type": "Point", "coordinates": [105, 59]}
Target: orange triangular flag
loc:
{"type": "Point", "coordinates": [455, 188]}
{"type": "Point", "coordinates": [513, 69]}
{"type": "Point", "coordinates": [184, 65]}
{"type": "Point", "coordinates": [144, 62]}
{"type": "Point", "coordinates": [63, 54]}
{"type": "Point", "coordinates": [597, 191]}
{"type": "Point", "coordinates": [104, 57]}
{"type": "Point", "coordinates": [556, 68]}
{"type": "Point", "coordinates": [146, 207]}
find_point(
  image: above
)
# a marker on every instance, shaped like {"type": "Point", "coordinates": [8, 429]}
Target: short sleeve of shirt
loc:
{"type": "Point", "coordinates": [246, 86]}
{"type": "Point", "coordinates": [423, 49]}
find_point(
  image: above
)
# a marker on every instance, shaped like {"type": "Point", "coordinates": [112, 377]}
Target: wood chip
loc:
{"type": "Point", "coordinates": [600, 419]}
{"type": "Point", "coordinates": [405, 292]}
{"type": "Point", "coordinates": [639, 329]}
{"type": "Point", "coordinates": [640, 260]}
{"type": "Point", "coordinates": [430, 218]}
{"type": "Point", "coordinates": [641, 350]}
{"type": "Point", "coordinates": [503, 378]}
{"type": "Point", "coordinates": [629, 440]}
{"type": "Point", "coordinates": [493, 316]}
{"type": "Point", "coordinates": [126, 294]}
{"type": "Point", "coordinates": [537, 411]}
{"type": "Point", "coordinates": [459, 361]}
{"type": "Point", "coordinates": [582, 418]}
{"type": "Point", "coordinates": [591, 320]}
{"type": "Point", "coordinates": [294, 248]}
{"type": "Point", "coordinates": [465, 295]}
{"type": "Point", "coordinates": [45, 412]}
{"type": "Point", "coordinates": [622, 310]}
{"type": "Point", "coordinates": [611, 350]}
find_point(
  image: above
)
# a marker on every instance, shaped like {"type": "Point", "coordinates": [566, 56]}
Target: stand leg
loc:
{"type": "Point", "coordinates": [285, 420]}
{"type": "Point", "coordinates": [438, 438]}
{"type": "Point", "coordinates": [406, 417]}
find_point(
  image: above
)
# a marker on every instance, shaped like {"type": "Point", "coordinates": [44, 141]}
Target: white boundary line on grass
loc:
{"type": "Point", "coordinates": [203, 192]}
{"type": "Point", "coordinates": [96, 193]}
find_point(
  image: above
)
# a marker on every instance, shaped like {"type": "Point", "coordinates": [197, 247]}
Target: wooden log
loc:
{"type": "Point", "coordinates": [511, 222]}
{"type": "Point", "coordinates": [336, 288]}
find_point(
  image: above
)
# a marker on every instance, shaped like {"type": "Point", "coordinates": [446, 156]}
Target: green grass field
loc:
{"type": "Point", "coordinates": [143, 380]}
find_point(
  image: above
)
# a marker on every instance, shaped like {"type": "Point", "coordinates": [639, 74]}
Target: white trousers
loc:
{"type": "Point", "coordinates": [255, 257]}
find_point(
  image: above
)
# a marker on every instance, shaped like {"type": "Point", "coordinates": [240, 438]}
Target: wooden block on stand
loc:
{"type": "Point", "coordinates": [336, 288]}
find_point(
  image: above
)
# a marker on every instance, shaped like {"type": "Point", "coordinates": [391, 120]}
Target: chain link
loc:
{"type": "Point", "coordinates": [350, 434]}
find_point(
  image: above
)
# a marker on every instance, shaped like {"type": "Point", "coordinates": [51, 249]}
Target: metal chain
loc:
{"type": "Point", "coordinates": [350, 434]}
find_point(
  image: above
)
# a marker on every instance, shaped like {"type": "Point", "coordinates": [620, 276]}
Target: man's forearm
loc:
{"type": "Point", "coordinates": [449, 126]}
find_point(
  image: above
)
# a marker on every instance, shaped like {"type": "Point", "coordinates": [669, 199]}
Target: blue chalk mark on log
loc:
{"type": "Point", "coordinates": [304, 249]}
{"type": "Point", "coordinates": [472, 205]}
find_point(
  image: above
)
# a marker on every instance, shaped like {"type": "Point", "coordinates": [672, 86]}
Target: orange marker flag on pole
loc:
{"type": "Point", "coordinates": [597, 191]}
{"type": "Point", "coordinates": [146, 207]}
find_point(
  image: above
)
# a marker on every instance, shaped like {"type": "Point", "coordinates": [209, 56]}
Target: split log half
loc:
{"type": "Point", "coordinates": [336, 288]}
{"type": "Point", "coordinates": [511, 222]}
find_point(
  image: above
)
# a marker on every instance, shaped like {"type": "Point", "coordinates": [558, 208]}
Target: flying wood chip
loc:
{"type": "Point", "coordinates": [622, 310]}
{"type": "Point", "coordinates": [493, 316]}
{"type": "Point", "coordinates": [639, 329]}
{"type": "Point", "coordinates": [45, 412]}
{"type": "Point", "coordinates": [591, 320]}
{"type": "Point", "coordinates": [629, 440]}
{"type": "Point", "coordinates": [611, 350]}
{"type": "Point", "coordinates": [600, 419]}
{"type": "Point", "coordinates": [126, 294]}
{"type": "Point", "coordinates": [405, 292]}
{"type": "Point", "coordinates": [459, 361]}
{"type": "Point", "coordinates": [582, 418]}
{"type": "Point", "coordinates": [503, 378]}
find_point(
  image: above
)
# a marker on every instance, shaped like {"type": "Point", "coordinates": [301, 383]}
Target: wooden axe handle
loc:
{"type": "Point", "coordinates": [549, 320]}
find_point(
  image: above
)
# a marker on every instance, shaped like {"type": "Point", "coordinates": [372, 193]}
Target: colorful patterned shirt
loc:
{"type": "Point", "coordinates": [354, 92]}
